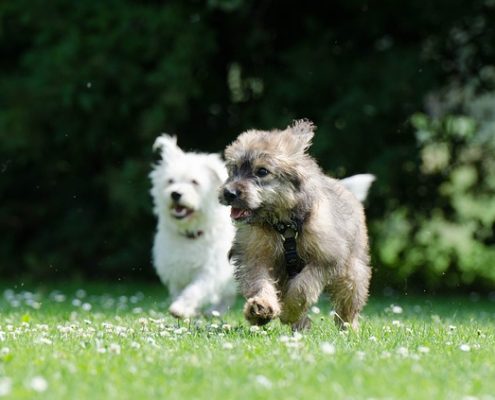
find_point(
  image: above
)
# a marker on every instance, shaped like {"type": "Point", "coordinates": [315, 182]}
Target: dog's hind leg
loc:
{"type": "Point", "coordinates": [349, 292]}
{"type": "Point", "coordinates": [302, 292]}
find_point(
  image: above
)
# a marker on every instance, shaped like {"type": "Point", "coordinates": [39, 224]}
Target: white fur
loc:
{"type": "Point", "coordinates": [196, 271]}
{"type": "Point", "coordinates": [359, 185]}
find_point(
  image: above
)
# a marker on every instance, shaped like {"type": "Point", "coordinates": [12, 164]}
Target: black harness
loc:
{"type": "Point", "coordinates": [289, 231]}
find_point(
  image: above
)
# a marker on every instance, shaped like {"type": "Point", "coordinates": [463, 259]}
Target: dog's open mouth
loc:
{"type": "Point", "coordinates": [239, 214]}
{"type": "Point", "coordinates": [180, 212]}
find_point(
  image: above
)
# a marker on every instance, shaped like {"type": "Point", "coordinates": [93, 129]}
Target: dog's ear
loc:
{"type": "Point", "coordinates": [217, 167]}
{"type": "Point", "coordinates": [304, 131]}
{"type": "Point", "coordinates": [167, 145]}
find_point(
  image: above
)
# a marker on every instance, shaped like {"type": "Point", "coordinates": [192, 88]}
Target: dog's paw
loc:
{"type": "Point", "coordinates": [260, 311]}
{"type": "Point", "coordinates": [180, 310]}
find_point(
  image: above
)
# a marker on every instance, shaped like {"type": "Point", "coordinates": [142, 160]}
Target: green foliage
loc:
{"type": "Point", "coordinates": [451, 242]}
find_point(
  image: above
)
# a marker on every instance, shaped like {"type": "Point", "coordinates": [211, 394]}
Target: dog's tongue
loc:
{"type": "Point", "coordinates": [180, 211]}
{"type": "Point", "coordinates": [238, 213]}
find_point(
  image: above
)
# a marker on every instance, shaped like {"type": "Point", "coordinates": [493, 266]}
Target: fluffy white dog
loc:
{"type": "Point", "coordinates": [194, 233]}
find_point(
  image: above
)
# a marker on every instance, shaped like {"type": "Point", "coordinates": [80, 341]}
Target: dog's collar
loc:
{"type": "Point", "coordinates": [192, 234]}
{"type": "Point", "coordinates": [289, 232]}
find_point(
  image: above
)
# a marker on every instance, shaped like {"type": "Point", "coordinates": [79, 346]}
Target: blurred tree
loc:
{"type": "Point", "coordinates": [449, 240]}
{"type": "Point", "coordinates": [86, 86]}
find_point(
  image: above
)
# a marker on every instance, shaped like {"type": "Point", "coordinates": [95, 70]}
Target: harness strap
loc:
{"type": "Point", "coordinates": [289, 232]}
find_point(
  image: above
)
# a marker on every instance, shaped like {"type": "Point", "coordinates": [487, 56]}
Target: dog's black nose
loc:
{"type": "Point", "coordinates": [230, 195]}
{"type": "Point", "coordinates": [175, 196]}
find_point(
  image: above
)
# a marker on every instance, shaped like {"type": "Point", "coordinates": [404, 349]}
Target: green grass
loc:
{"type": "Point", "coordinates": [117, 342]}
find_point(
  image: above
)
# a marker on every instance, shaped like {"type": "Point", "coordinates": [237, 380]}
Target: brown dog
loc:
{"type": "Point", "coordinates": [299, 232]}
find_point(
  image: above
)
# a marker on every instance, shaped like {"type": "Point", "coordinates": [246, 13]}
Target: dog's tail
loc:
{"type": "Point", "coordinates": [359, 185]}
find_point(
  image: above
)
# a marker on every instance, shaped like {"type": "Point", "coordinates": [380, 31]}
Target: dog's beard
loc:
{"type": "Point", "coordinates": [270, 203]}
{"type": "Point", "coordinates": [273, 209]}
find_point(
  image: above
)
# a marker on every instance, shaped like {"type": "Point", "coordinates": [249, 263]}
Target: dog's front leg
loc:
{"type": "Point", "coordinates": [262, 303]}
{"type": "Point", "coordinates": [302, 291]}
{"type": "Point", "coordinates": [194, 296]}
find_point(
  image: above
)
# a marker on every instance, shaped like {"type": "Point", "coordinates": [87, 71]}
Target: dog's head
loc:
{"type": "Point", "coordinates": [266, 169]}
{"type": "Point", "coordinates": [184, 185]}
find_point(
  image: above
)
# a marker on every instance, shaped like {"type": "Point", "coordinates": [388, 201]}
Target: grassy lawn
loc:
{"type": "Point", "coordinates": [96, 341]}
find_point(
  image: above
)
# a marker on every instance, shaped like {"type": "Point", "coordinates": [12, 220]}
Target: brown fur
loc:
{"type": "Point", "coordinates": [332, 242]}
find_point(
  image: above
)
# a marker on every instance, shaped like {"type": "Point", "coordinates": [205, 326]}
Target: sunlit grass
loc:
{"type": "Point", "coordinates": [96, 341]}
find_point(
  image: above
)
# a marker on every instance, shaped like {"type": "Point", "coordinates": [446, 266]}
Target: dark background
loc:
{"type": "Point", "coordinates": [404, 90]}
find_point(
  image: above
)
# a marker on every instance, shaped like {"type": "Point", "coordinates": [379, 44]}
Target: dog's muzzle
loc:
{"type": "Point", "coordinates": [230, 196]}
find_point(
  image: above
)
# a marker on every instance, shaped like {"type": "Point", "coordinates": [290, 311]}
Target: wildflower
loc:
{"type": "Point", "coordinates": [44, 340]}
{"type": "Point", "coordinates": [38, 384]}
{"type": "Point", "coordinates": [227, 346]}
{"type": "Point", "coordinates": [315, 310]}
{"type": "Point", "coordinates": [114, 348]}
{"type": "Point", "coordinates": [396, 309]}
{"type": "Point", "coordinates": [465, 347]}
{"type": "Point", "coordinates": [86, 306]}
{"type": "Point", "coordinates": [327, 348]}
{"type": "Point", "coordinates": [59, 298]}
{"type": "Point", "coordinates": [423, 349]}
{"type": "Point", "coordinates": [263, 381]}
{"type": "Point", "coordinates": [403, 351]}
{"type": "Point", "coordinates": [215, 313]}
{"type": "Point", "coordinates": [284, 338]}
{"type": "Point", "coordinates": [396, 323]}
{"type": "Point", "coordinates": [435, 318]}
{"type": "Point", "coordinates": [372, 339]}
{"type": "Point", "coordinates": [254, 328]}
{"type": "Point", "coordinates": [76, 302]}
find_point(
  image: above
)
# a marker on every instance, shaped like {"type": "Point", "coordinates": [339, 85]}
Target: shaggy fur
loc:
{"type": "Point", "coordinates": [194, 232]}
{"type": "Point", "coordinates": [271, 180]}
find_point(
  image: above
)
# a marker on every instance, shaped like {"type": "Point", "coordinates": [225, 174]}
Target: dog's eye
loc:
{"type": "Point", "coordinates": [195, 182]}
{"type": "Point", "coordinates": [170, 181]}
{"type": "Point", "coordinates": [261, 172]}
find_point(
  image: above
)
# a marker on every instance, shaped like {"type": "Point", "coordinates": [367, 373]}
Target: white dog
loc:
{"type": "Point", "coordinates": [195, 233]}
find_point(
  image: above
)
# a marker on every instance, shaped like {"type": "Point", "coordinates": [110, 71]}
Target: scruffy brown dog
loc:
{"type": "Point", "coordinates": [299, 232]}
